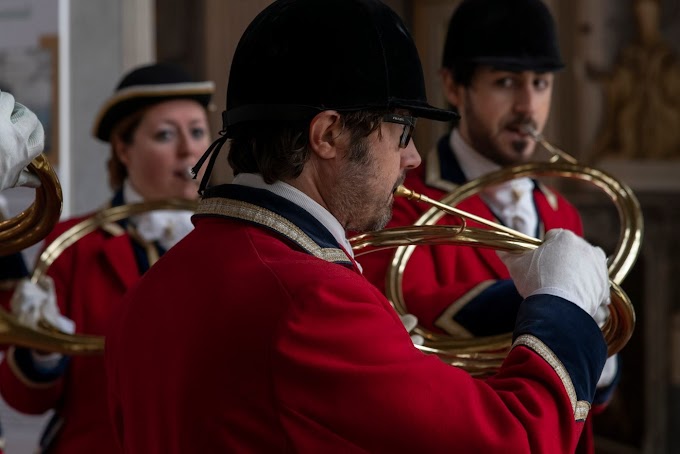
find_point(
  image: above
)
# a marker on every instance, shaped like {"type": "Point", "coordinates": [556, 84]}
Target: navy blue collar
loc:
{"type": "Point", "coordinates": [448, 164]}
{"type": "Point", "coordinates": [275, 213]}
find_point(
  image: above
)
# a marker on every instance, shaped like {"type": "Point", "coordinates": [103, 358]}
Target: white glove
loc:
{"type": "Point", "coordinates": [608, 373]}
{"type": "Point", "coordinates": [565, 265]}
{"type": "Point", "coordinates": [601, 315]}
{"type": "Point", "coordinates": [34, 304]}
{"type": "Point", "coordinates": [410, 321]}
{"type": "Point", "coordinates": [22, 138]}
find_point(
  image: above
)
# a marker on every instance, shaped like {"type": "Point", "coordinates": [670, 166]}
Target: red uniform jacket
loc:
{"type": "Point", "coordinates": [256, 333]}
{"type": "Point", "coordinates": [462, 290]}
{"type": "Point", "coordinates": [90, 279]}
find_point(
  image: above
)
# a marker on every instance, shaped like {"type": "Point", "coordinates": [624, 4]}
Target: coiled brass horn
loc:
{"type": "Point", "coordinates": [47, 338]}
{"type": "Point", "coordinates": [484, 355]}
{"type": "Point", "coordinates": [34, 223]}
{"type": "Point", "coordinates": [22, 231]}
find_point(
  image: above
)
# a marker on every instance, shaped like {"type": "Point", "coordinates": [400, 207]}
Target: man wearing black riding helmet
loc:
{"type": "Point", "coordinates": [498, 70]}
{"type": "Point", "coordinates": [287, 347]}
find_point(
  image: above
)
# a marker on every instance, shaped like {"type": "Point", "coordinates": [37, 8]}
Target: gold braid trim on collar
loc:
{"type": "Point", "coordinates": [248, 212]}
{"type": "Point", "coordinates": [433, 173]}
{"type": "Point", "coordinates": [580, 407]}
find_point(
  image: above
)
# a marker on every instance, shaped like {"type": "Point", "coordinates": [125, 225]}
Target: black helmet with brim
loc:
{"type": "Point", "coordinates": [300, 57]}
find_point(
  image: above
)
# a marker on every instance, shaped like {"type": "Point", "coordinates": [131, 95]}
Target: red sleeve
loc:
{"type": "Point", "coordinates": [376, 381]}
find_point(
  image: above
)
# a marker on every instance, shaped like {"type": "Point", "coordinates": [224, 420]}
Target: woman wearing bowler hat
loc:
{"type": "Point", "coordinates": [156, 122]}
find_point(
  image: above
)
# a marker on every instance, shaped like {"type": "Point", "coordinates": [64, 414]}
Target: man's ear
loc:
{"type": "Point", "coordinates": [324, 132]}
{"type": "Point", "coordinates": [450, 88]}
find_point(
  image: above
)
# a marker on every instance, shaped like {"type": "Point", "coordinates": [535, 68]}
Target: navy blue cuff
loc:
{"type": "Point", "coordinates": [25, 363]}
{"type": "Point", "coordinates": [571, 334]}
{"type": "Point", "coordinates": [13, 267]}
{"type": "Point", "coordinates": [493, 311]}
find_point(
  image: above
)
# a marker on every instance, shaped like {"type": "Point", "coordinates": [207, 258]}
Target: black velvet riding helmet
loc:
{"type": "Point", "coordinates": [513, 35]}
{"type": "Point", "coordinates": [145, 86]}
{"type": "Point", "coordinates": [299, 57]}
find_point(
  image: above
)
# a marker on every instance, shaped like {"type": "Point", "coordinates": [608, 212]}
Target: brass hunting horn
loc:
{"type": "Point", "coordinates": [48, 338]}
{"type": "Point", "coordinates": [22, 231]}
{"type": "Point", "coordinates": [484, 355]}
{"type": "Point", "coordinates": [34, 223]}
{"type": "Point", "coordinates": [86, 344]}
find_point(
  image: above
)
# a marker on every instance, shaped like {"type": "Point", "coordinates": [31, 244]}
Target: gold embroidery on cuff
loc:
{"type": "Point", "coordinates": [580, 407]}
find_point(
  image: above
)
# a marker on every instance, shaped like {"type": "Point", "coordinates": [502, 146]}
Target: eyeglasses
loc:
{"type": "Point", "coordinates": [409, 123]}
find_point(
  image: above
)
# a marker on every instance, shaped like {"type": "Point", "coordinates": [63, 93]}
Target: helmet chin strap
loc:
{"type": "Point", "coordinates": [213, 152]}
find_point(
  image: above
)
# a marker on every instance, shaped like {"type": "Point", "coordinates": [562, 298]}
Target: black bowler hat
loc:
{"type": "Point", "coordinates": [514, 35]}
{"type": "Point", "coordinates": [299, 57]}
{"type": "Point", "coordinates": [145, 86]}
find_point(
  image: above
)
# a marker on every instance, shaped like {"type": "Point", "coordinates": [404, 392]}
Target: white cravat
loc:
{"type": "Point", "coordinates": [165, 226]}
{"type": "Point", "coordinates": [512, 202]}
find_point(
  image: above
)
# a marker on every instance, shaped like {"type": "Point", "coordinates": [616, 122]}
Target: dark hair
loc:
{"type": "Point", "coordinates": [125, 131]}
{"type": "Point", "coordinates": [463, 72]}
{"type": "Point", "coordinates": [280, 152]}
